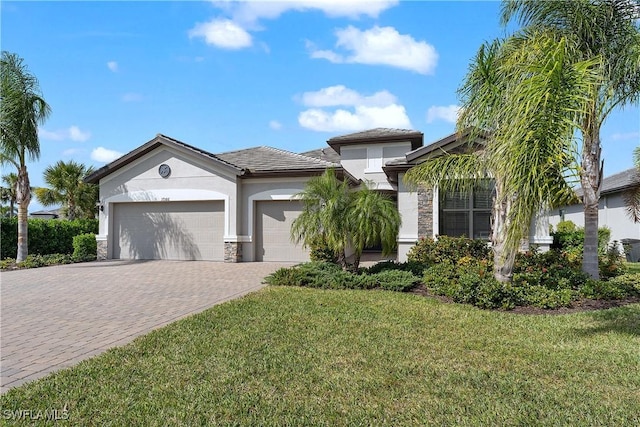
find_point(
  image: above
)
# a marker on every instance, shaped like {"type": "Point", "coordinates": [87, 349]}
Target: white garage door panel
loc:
{"type": "Point", "coordinates": [169, 230]}
{"type": "Point", "coordinates": [273, 232]}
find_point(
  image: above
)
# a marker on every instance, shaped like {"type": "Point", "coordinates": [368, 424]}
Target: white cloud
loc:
{"type": "Point", "coordinates": [625, 136]}
{"type": "Point", "coordinates": [447, 113]}
{"type": "Point", "coordinates": [131, 97]}
{"type": "Point", "coordinates": [359, 111]}
{"type": "Point", "coordinates": [232, 32]}
{"type": "Point", "coordinates": [341, 95]}
{"type": "Point", "coordinates": [275, 125]}
{"type": "Point", "coordinates": [73, 133]}
{"type": "Point", "coordinates": [77, 135]}
{"type": "Point", "coordinates": [249, 12]}
{"type": "Point", "coordinates": [223, 33]}
{"type": "Point", "coordinates": [393, 116]}
{"type": "Point", "coordinates": [380, 46]}
{"type": "Point", "coordinates": [113, 66]}
{"type": "Point", "coordinates": [105, 155]}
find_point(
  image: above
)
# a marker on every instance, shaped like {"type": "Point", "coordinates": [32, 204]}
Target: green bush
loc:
{"type": "Point", "coordinates": [330, 276]}
{"type": "Point", "coordinates": [85, 247]}
{"type": "Point", "coordinates": [320, 251]}
{"type": "Point", "coordinates": [396, 280]}
{"type": "Point", "coordinates": [37, 260]}
{"type": "Point", "coordinates": [552, 269]}
{"type": "Point", "coordinates": [46, 236]}
{"type": "Point", "coordinates": [448, 249]}
{"type": "Point", "coordinates": [570, 238]}
{"type": "Point", "coordinates": [612, 262]}
{"type": "Point", "coordinates": [623, 286]}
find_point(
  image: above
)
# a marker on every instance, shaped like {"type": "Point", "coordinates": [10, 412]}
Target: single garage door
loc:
{"type": "Point", "coordinates": [273, 232]}
{"type": "Point", "coordinates": [169, 230]}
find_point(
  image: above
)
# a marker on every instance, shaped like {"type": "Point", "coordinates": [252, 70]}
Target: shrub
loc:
{"type": "Point", "coordinates": [622, 286]}
{"type": "Point", "coordinates": [45, 236]}
{"type": "Point", "coordinates": [396, 280]}
{"type": "Point", "coordinates": [85, 247]}
{"type": "Point", "coordinates": [552, 269]}
{"type": "Point", "coordinates": [320, 251]}
{"type": "Point", "coordinates": [448, 249]}
{"type": "Point", "coordinates": [330, 276]}
{"type": "Point", "coordinates": [612, 262]}
{"type": "Point", "coordinates": [570, 238]}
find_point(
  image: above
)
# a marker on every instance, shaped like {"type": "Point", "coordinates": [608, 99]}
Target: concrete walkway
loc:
{"type": "Point", "coordinates": [54, 317]}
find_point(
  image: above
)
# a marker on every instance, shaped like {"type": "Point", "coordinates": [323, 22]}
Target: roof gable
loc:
{"type": "Point", "coordinates": [152, 145]}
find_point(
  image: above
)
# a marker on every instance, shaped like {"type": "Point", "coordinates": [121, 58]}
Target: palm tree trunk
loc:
{"type": "Point", "coordinates": [23, 198]}
{"type": "Point", "coordinates": [502, 261]}
{"type": "Point", "coordinates": [590, 179]}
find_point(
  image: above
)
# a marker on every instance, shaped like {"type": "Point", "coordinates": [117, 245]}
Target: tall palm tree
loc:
{"type": "Point", "coordinates": [632, 196]}
{"type": "Point", "coordinates": [22, 108]}
{"type": "Point", "coordinates": [8, 192]}
{"type": "Point", "coordinates": [67, 187]}
{"type": "Point", "coordinates": [344, 219]}
{"type": "Point", "coordinates": [521, 96]}
{"type": "Point", "coordinates": [606, 31]}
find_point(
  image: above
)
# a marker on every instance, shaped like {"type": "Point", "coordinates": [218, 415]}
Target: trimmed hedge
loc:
{"type": "Point", "coordinates": [46, 236]}
{"type": "Point", "coordinates": [85, 247]}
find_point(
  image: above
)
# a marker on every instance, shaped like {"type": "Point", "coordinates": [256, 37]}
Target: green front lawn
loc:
{"type": "Point", "coordinates": [634, 267]}
{"type": "Point", "coordinates": [296, 356]}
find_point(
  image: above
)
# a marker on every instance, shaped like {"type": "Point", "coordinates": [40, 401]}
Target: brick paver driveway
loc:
{"type": "Point", "coordinates": [54, 317]}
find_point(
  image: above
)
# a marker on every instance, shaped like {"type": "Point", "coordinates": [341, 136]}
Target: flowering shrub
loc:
{"type": "Point", "coordinates": [448, 249]}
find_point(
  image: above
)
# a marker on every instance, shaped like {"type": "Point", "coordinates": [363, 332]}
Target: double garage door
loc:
{"type": "Point", "coordinates": [195, 231]}
{"type": "Point", "coordinates": [169, 230]}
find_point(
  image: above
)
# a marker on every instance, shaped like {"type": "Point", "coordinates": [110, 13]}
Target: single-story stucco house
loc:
{"type": "Point", "coordinates": [169, 200]}
{"type": "Point", "coordinates": [612, 211]}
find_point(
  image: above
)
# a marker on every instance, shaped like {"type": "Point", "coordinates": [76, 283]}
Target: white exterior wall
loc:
{"type": "Point", "coordinates": [354, 159]}
{"type": "Point", "coordinates": [408, 208]}
{"type": "Point", "coordinates": [190, 180]}
{"type": "Point", "coordinates": [611, 214]}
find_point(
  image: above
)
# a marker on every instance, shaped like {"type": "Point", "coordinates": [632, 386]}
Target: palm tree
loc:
{"type": "Point", "coordinates": [22, 108]}
{"type": "Point", "coordinates": [607, 32]}
{"type": "Point", "coordinates": [373, 219]}
{"type": "Point", "coordinates": [527, 151]}
{"type": "Point", "coordinates": [8, 193]}
{"type": "Point", "coordinates": [344, 219]}
{"type": "Point", "coordinates": [67, 187]}
{"type": "Point", "coordinates": [632, 196]}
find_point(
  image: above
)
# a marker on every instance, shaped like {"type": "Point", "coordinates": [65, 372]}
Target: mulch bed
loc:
{"type": "Point", "coordinates": [579, 306]}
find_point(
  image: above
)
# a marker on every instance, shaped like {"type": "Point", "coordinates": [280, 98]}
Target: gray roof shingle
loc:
{"type": "Point", "coordinates": [263, 159]}
{"type": "Point", "coordinates": [378, 133]}
{"type": "Point", "coordinates": [617, 182]}
{"type": "Point", "coordinates": [327, 154]}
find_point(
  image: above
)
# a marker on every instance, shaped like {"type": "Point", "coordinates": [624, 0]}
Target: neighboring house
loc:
{"type": "Point", "coordinates": [612, 211]}
{"type": "Point", "coordinates": [50, 214]}
{"type": "Point", "coordinates": [170, 200]}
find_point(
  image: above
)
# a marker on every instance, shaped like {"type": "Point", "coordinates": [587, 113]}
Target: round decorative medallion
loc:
{"type": "Point", "coordinates": [164, 170]}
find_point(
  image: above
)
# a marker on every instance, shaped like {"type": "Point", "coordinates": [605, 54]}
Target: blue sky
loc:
{"type": "Point", "coordinates": [230, 75]}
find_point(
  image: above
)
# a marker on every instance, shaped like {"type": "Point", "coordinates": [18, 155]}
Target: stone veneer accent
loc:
{"type": "Point", "coordinates": [102, 250]}
{"type": "Point", "coordinates": [425, 212]}
{"type": "Point", "coordinates": [232, 251]}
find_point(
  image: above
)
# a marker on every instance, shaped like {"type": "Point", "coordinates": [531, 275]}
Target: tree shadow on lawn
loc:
{"type": "Point", "coordinates": [625, 320]}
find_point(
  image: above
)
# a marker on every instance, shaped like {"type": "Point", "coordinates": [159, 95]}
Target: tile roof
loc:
{"type": "Point", "coordinates": [327, 154]}
{"type": "Point", "coordinates": [378, 133]}
{"type": "Point", "coordinates": [263, 159]}
{"type": "Point", "coordinates": [618, 182]}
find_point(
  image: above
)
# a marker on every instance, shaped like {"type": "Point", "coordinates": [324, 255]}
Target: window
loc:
{"type": "Point", "coordinates": [467, 214]}
{"type": "Point", "coordinates": [374, 159]}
